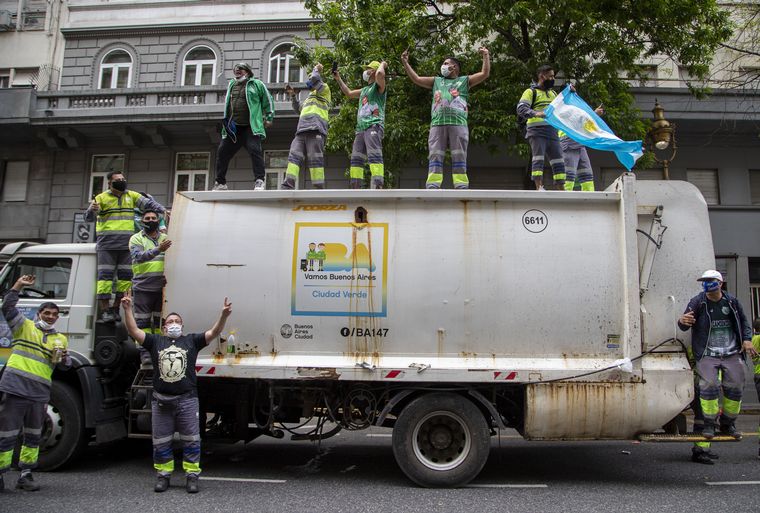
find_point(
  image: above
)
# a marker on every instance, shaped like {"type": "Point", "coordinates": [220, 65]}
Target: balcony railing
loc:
{"type": "Point", "coordinates": [155, 104]}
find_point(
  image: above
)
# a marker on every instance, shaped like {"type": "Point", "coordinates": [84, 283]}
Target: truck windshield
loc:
{"type": "Point", "coordinates": [52, 276]}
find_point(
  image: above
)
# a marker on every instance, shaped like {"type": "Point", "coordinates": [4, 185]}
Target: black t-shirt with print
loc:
{"type": "Point", "coordinates": [174, 361]}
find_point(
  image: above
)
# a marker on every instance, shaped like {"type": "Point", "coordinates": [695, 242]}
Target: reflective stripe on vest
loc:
{"type": "Point", "coordinates": [116, 214]}
{"type": "Point", "coordinates": [32, 350]}
{"type": "Point", "coordinates": [155, 266]}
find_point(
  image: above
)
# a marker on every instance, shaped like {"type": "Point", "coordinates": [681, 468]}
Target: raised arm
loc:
{"type": "Point", "coordinates": [146, 203]}
{"type": "Point", "coordinates": [219, 326]}
{"type": "Point", "coordinates": [92, 211]}
{"type": "Point", "coordinates": [293, 98]}
{"type": "Point", "coordinates": [350, 93]}
{"type": "Point", "coordinates": [12, 315]}
{"type": "Point", "coordinates": [426, 82]}
{"type": "Point", "coordinates": [485, 70]}
{"type": "Point", "coordinates": [129, 319]}
{"type": "Point", "coordinates": [380, 76]}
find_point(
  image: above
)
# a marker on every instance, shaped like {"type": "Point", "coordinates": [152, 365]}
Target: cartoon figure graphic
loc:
{"type": "Point", "coordinates": [457, 102]}
{"type": "Point", "coordinates": [321, 255]}
{"type": "Point", "coordinates": [311, 255]}
{"type": "Point", "coordinates": [172, 364]}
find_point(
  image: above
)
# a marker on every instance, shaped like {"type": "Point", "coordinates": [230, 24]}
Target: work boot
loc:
{"type": "Point", "coordinates": [709, 430]}
{"type": "Point", "coordinates": [729, 428]}
{"type": "Point", "coordinates": [162, 483]}
{"type": "Point", "coordinates": [711, 455]}
{"type": "Point", "coordinates": [192, 483]}
{"type": "Point", "coordinates": [26, 483]}
{"type": "Point", "coordinates": [700, 456]}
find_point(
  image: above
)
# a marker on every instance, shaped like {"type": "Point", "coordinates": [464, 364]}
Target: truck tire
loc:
{"type": "Point", "coordinates": [441, 440]}
{"type": "Point", "coordinates": [64, 433]}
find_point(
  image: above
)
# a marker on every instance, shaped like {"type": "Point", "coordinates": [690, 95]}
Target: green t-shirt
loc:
{"type": "Point", "coordinates": [450, 101]}
{"type": "Point", "coordinates": [722, 340]}
{"type": "Point", "coordinates": [371, 107]}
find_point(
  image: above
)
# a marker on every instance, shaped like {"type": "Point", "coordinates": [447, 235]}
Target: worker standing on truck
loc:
{"type": "Point", "coordinates": [577, 164]}
{"type": "Point", "coordinates": [248, 111]}
{"type": "Point", "coordinates": [448, 116]}
{"type": "Point", "coordinates": [114, 210]}
{"type": "Point", "coordinates": [26, 380]}
{"type": "Point", "coordinates": [543, 138]}
{"type": "Point", "coordinates": [370, 121]}
{"type": "Point", "coordinates": [720, 334]}
{"type": "Point", "coordinates": [147, 249]}
{"type": "Point", "coordinates": [175, 395]}
{"type": "Point", "coordinates": [311, 132]}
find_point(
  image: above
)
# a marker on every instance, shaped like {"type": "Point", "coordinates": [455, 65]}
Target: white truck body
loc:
{"type": "Point", "coordinates": [444, 315]}
{"type": "Point", "coordinates": [482, 287]}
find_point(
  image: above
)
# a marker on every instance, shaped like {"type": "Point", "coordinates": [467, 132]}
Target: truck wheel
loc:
{"type": "Point", "coordinates": [441, 440]}
{"type": "Point", "coordinates": [63, 434]}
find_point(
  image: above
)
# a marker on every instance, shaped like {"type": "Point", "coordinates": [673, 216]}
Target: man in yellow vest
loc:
{"type": "Point", "coordinates": [26, 380]}
{"type": "Point", "coordinates": [147, 248]}
{"type": "Point", "coordinates": [114, 210]}
{"type": "Point", "coordinates": [311, 132]}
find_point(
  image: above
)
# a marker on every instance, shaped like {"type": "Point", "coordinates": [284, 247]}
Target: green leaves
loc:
{"type": "Point", "coordinates": [594, 44]}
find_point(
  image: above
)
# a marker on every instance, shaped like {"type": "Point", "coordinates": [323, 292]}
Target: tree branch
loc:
{"type": "Point", "coordinates": [741, 50]}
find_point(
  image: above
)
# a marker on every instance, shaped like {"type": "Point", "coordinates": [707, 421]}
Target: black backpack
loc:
{"type": "Point", "coordinates": [522, 122]}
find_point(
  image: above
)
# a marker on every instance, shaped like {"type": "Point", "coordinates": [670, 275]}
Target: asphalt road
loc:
{"type": "Point", "coordinates": [355, 472]}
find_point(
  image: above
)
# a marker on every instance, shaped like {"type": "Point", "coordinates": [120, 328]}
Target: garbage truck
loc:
{"type": "Point", "coordinates": [444, 316]}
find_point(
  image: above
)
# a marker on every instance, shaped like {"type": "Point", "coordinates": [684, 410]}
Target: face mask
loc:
{"type": "Point", "coordinates": [548, 84]}
{"type": "Point", "coordinates": [174, 330]}
{"type": "Point", "coordinates": [366, 75]}
{"type": "Point", "coordinates": [445, 71]}
{"type": "Point", "coordinates": [44, 326]}
{"type": "Point", "coordinates": [710, 286]}
{"type": "Point", "coordinates": [150, 226]}
{"type": "Point", "coordinates": [120, 185]}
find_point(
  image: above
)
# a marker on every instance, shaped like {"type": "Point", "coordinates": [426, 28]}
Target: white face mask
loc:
{"type": "Point", "coordinates": [174, 330]}
{"type": "Point", "coordinates": [366, 75]}
{"type": "Point", "coordinates": [43, 325]}
{"type": "Point", "coordinates": [445, 71]}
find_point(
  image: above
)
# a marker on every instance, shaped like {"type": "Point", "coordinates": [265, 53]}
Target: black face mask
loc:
{"type": "Point", "coordinates": [548, 84]}
{"type": "Point", "coordinates": [150, 226]}
{"type": "Point", "coordinates": [120, 185]}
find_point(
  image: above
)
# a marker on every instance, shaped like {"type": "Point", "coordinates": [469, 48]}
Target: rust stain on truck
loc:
{"type": "Point", "coordinates": [318, 372]}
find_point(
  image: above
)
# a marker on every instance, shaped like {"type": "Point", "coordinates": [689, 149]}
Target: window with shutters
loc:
{"type": "Point", "coordinates": [283, 66]}
{"type": "Point", "coordinates": [15, 180]}
{"type": "Point", "coordinates": [754, 186]}
{"type": "Point", "coordinates": [191, 172]}
{"type": "Point", "coordinates": [706, 180]}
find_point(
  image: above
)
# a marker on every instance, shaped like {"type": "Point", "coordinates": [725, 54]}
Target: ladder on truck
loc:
{"type": "Point", "coordinates": [139, 397]}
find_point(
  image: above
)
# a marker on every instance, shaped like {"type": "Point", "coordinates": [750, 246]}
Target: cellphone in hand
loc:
{"type": "Point", "coordinates": [334, 66]}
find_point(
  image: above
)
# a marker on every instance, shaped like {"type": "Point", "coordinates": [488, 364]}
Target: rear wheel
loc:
{"type": "Point", "coordinates": [441, 440]}
{"type": "Point", "coordinates": [63, 433]}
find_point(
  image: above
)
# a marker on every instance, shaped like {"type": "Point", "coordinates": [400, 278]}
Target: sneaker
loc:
{"type": "Point", "coordinates": [541, 188]}
{"type": "Point", "coordinates": [192, 483]}
{"type": "Point", "coordinates": [730, 430]}
{"type": "Point", "coordinates": [162, 483]}
{"type": "Point", "coordinates": [701, 457]}
{"type": "Point", "coordinates": [27, 483]}
{"type": "Point", "coordinates": [258, 185]}
{"type": "Point", "coordinates": [219, 186]}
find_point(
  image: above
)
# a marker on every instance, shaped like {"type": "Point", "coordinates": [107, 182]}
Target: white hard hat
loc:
{"type": "Point", "coordinates": [711, 274]}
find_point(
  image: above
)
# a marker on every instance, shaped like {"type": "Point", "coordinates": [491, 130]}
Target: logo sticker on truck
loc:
{"type": "Point", "coordinates": [340, 269]}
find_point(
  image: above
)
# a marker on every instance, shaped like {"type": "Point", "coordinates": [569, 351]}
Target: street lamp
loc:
{"type": "Point", "coordinates": [661, 136]}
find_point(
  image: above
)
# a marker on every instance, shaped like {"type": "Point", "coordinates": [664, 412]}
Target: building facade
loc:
{"type": "Point", "coordinates": [139, 87]}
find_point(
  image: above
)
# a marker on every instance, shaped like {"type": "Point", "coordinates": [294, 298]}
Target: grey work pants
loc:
{"type": "Point", "coordinates": [176, 413]}
{"type": "Point", "coordinates": [16, 413]}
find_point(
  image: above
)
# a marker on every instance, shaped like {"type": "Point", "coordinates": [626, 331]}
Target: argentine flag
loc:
{"type": "Point", "coordinates": [569, 113]}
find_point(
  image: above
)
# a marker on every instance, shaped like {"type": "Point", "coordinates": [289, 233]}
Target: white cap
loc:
{"type": "Point", "coordinates": [711, 274]}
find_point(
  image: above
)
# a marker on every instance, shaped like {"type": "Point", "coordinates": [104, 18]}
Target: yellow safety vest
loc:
{"type": "Point", "coordinates": [33, 351]}
{"type": "Point", "coordinates": [117, 213]}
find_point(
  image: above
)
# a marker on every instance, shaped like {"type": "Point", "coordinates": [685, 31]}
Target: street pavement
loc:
{"type": "Point", "coordinates": [356, 472]}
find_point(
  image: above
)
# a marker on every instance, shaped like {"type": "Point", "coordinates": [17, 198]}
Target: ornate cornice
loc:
{"type": "Point", "coordinates": [188, 28]}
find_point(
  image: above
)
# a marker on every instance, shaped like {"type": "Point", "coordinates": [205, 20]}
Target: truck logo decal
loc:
{"type": "Point", "coordinates": [340, 269]}
{"type": "Point", "coordinates": [319, 207]}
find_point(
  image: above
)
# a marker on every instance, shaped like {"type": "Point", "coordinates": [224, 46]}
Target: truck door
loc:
{"type": "Point", "coordinates": [54, 273]}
